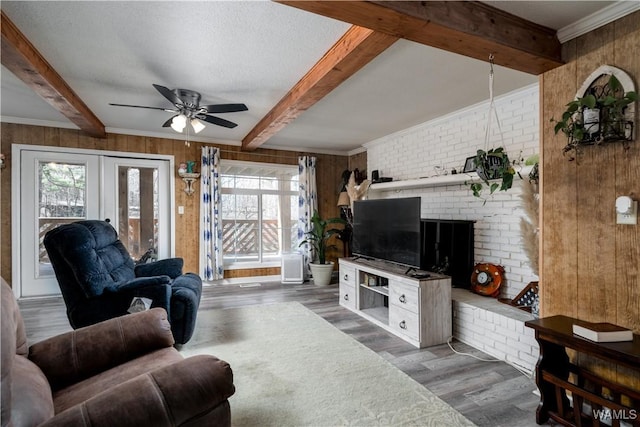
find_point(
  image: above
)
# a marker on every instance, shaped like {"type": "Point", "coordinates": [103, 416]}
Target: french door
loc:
{"type": "Point", "coordinates": [61, 187]}
{"type": "Point", "coordinates": [136, 198]}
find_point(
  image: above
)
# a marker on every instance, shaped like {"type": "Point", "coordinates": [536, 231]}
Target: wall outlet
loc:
{"type": "Point", "coordinates": [630, 218]}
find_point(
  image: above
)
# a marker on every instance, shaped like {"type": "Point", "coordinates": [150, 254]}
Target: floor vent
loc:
{"type": "Point", "coordinates": [250, 285]}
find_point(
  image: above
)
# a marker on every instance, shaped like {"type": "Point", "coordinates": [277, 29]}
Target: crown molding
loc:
{"type": "Point", "coordinates": [303, 150]}
{"type": "Point", "coordinates": [597, 19]}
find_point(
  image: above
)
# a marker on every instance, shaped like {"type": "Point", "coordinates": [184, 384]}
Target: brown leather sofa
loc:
{"type": "Point", "coordinates": [124, 371]}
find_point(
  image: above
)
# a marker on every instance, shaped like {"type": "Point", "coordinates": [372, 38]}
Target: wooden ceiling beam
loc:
{"type": "Point", "coordinates": [356, 48]}
{"type": "Point", "coordinates": [20, 57]}
{"type": "Point", "coordinates": [469, 28]}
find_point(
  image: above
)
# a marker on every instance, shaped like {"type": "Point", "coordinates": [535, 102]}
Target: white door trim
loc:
{"type": "Point", "coordinates": [16, 149]}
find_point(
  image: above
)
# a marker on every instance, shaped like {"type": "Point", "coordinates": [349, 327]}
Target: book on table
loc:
{"type": "Point", "coordinates": [602, 332]}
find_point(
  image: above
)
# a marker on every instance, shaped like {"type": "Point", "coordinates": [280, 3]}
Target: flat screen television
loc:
{"type": "Point", "coordinates": [388, 229]}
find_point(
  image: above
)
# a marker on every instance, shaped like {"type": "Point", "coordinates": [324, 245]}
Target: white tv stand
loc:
{"type": "Point", "coordinates": [416, 309]}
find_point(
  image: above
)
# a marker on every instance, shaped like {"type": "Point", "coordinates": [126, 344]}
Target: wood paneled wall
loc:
{"type": "Point", "coordinates": [590, 266]}
{"type": "Point", "coordinates": [359, 161]}
{"type": "Point", "coordinates": [329, 172]}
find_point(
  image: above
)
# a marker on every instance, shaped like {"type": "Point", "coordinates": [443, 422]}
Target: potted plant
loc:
{"type": "Point", "coordinates": [318, 237]}
{"type": "Point", "coordinates": [596, 117]}
{"type": "Point", "coordinates": [492, 165]}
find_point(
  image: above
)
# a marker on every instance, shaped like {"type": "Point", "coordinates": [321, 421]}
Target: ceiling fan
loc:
{"type": "Point", "coordinates": [187, 109]}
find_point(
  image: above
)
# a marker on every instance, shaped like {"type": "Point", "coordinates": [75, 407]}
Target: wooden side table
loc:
{"type": "Point", "coordinates": [555, 335]}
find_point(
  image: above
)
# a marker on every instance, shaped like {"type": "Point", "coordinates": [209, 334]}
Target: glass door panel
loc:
{"type": "Point", "coordinates": [138, 209]}
{"type": "Point", "coordinates": [54, 190]}
{"type": "Point", "coordinates": [137, 201]}
{"type": "Point", "coordinates": [61, 200]}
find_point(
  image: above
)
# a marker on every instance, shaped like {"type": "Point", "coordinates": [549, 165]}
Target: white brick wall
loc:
{"type": "Point", "coordinates": [445, 143]}
{"type": "Point", "coordinates": [495, 329]}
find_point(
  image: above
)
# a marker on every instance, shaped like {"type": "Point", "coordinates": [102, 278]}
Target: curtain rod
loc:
{"type": "Point", "coordinates": [259, 154]}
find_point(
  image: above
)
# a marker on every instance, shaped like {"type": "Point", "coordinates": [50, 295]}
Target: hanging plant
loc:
{"type": "Point", "coordinates": [602, 114]}
{"type": "Point", "coordinates": [492, 165]}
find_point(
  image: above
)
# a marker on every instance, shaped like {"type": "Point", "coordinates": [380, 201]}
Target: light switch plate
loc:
{"type": "Point", "coordinates": [180, 210]}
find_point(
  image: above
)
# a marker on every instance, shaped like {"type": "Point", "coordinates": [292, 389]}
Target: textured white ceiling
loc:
{"type": "Point", "coordinates": [251, 52]}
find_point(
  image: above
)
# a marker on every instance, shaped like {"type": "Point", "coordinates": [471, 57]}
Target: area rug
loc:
{"type": "Point", "coordinates": [293, 368]}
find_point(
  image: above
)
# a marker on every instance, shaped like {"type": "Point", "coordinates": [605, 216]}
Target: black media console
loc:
{"type": "Point", "coordinates": [448, 249]}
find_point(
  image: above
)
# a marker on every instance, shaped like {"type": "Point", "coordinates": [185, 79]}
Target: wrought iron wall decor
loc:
{"type": "Point", "coordinates": [604, 110]}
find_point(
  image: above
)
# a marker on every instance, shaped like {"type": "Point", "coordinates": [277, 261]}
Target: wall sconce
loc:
{"type": "Point", "coordinates": [185, 171]}
{"type": "Point", "coordinates": [188, 179]}
{"type": "Point", "coordinates": [626, 210]}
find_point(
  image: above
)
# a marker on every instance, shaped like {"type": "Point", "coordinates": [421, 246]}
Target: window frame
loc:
{"type": "Point", "coordinates": [292, 170]}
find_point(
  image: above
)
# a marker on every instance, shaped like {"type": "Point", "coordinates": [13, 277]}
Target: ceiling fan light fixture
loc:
{"type": "Point", "coordinates": [179, 122]}
{"type": "Point", "coordinates": [187, 110]}
{"type": "Point", "coordinates": [197, 125]}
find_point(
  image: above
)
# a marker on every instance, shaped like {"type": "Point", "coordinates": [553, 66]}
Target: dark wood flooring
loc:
{"type": "Point", "coordinates": [488, 393]}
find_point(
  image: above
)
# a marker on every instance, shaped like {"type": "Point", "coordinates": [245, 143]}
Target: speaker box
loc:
{"type": "Point", "coordinates": [291, 269]}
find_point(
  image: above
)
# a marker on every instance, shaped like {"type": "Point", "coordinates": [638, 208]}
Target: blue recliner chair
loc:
{"type": "Point", "coordinates": [99, 279]}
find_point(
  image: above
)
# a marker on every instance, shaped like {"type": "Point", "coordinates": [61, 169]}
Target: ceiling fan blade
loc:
{"type": "Point", "coordinates": [168, 93]}
{"type": "Point", "coordinates": [142, 106]}
{"type": "Point", "coordinates": [168, 122]}
{"type": "Point", "coordinates": [217, 121]}
{"type": "Point", "coordinates": [225, 108]}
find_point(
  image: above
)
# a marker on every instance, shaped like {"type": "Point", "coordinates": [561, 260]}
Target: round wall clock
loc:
{"type": "Point", "coordinates": [486, 279]}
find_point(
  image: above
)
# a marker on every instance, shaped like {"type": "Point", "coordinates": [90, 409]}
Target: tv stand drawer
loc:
{"type": "Point", "coordinates": [404, 297]}
{"type": "Point", "coordinates": [404, 322]}
{"type": "Point", "coordinates": [347, 296]}
{"type": "Point", "coordinates": [348, 276]}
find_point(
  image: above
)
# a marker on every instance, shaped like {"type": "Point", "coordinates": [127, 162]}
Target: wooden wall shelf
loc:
{"type": "Point", "coordinates": [437, 181]}
{"type": "Point", "coordinates": [189, 179]}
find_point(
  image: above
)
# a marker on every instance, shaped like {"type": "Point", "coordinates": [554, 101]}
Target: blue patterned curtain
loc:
{"type": "Point", "coordinates": [211, 267]}
{"type": "Point", "coordinates": [307, 202]}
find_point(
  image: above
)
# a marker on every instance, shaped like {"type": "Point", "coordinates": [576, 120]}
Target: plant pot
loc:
{"type": "Point", "coordinates": [321, 273]}
{"type": "Point", "coordinates": [490, 169]}
{"type": "Point", "coordinates": [591, 117]}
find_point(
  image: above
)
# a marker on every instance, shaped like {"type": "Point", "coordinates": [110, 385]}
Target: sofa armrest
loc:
{"type": "Point", "coordinates": [183, 393]}
{"type": "Point", "coordinates": [74, 356]}
{"type": "Point", "coordinates": [139, 282]}
{"type": "Point", "coordinates": [115, 303]}
{"type": "Point", "coordinates": [157, 289]}
{"type": "Point", "coordinates": [171, 267]}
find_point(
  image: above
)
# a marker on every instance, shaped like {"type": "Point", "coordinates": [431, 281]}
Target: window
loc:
{"type": "Point", "coordinates": [61, 200]}
{"type": "Point", "coordinates": [259, 212]}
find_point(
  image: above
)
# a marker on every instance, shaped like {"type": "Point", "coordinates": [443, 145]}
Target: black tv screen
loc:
{"type": "Point", "coordinates": [388, 229]}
